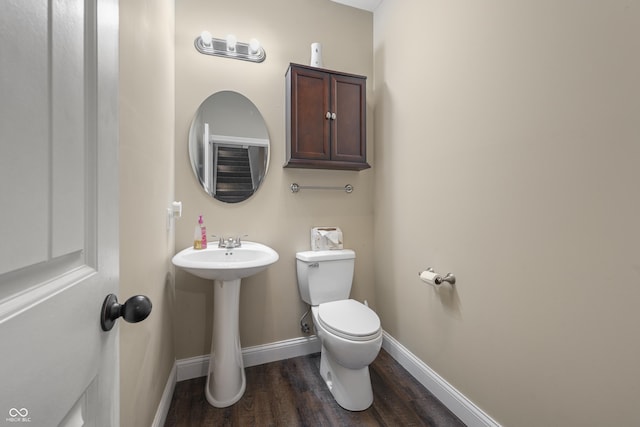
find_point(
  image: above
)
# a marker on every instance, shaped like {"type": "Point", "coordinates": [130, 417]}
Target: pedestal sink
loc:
{"type": "Point", "coordinates": [226, 267]}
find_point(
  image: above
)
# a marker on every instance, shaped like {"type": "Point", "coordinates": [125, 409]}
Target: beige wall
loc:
{"type": "Point", "coordinates": [507, 150]}
{"type": "Point", "coordinates": [270, 306]}
{"type": "Point", "coordinates": [146, 189]}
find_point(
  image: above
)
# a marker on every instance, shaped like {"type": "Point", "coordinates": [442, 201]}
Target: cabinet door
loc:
{"type": "Point", "coordinates": [309, 107]}
{"type": "Point", "coordinates": [348, 133]}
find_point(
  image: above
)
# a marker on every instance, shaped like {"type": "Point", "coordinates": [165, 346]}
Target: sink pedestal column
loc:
{"type": "Point", "coordinates": [226, 380]}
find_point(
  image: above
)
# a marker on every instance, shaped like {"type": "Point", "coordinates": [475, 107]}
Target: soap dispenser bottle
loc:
{"type": "Point", "coordinates": [203, 233]}
{"type": "Point", "coordinates": [198, 235]}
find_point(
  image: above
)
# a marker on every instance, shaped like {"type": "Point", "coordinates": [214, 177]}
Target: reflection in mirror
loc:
{"type": "Point", "coordinates": [229, 146]}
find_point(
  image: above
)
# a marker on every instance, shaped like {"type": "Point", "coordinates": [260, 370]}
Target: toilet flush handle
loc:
{"type": "Point", "coordinates": [314, 265]}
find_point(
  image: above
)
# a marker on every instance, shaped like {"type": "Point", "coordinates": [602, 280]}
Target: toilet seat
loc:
{"type": "Point", "coordinates": [349, 319]}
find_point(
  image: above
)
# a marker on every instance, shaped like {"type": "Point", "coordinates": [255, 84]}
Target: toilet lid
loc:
{"type": "Point", "coordinates": [349, 318]}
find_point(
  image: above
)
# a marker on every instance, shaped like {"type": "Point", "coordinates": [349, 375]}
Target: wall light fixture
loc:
{"type": "Point", "coordinates": [230, 47]}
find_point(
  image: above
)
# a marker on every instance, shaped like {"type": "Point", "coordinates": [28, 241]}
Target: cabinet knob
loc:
{"type": "Point", "coordinates": [333, 116]}
{"type": "Point", "coordinates": [328, 115]}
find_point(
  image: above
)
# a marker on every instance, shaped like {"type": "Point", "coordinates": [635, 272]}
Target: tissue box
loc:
{"type": "Point", "coordinates": [325, 238]}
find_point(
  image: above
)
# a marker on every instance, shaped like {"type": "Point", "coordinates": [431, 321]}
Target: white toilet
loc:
{"type": "Point", "coordinates": [349, 331]}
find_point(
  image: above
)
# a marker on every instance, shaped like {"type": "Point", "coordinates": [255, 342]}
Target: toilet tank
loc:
{"type": "Point", "coordinates": [325, 276]}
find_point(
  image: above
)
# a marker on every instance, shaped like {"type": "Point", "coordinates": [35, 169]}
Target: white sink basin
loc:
{"type": "Point", "coordinates": [216, 263]}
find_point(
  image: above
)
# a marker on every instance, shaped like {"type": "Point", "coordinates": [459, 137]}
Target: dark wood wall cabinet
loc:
{"type": "Point", "coordinates": [326, 119]}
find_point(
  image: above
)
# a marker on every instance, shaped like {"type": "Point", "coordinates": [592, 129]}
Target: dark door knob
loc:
{"type": "Point", "coordinates": [134, 310]}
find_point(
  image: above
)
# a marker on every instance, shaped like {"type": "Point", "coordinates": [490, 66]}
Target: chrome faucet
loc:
{"type": "Point", "coordinates": [230, 242]}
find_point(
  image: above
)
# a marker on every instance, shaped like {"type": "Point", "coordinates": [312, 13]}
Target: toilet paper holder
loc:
{"type": "Point", "coordinates": [449, 278]}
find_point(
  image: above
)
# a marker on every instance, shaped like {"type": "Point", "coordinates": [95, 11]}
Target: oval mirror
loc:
{"type": "Point", "coordinates": [229, 146]}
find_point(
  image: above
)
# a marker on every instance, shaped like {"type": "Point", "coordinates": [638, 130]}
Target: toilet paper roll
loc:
{"type": "Point", "coordinates": [432, 278]}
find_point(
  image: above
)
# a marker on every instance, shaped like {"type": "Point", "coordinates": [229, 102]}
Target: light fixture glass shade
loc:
{"type": "Point", "coordinates": [231, 43]}
{"type": "Point", "coordinates": [206, 37]}
{"type": "Point", "coordinates": [254, 46]}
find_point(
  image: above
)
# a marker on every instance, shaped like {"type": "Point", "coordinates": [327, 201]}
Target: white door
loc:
{"type": "Point", "coordinates": [58, 211]}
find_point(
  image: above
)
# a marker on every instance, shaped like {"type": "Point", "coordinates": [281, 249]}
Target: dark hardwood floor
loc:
{"type": "Point", "coordinates": [292, 393]}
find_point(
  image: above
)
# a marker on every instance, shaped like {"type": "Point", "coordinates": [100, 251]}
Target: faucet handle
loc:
{"type": "Point", "coordinates": [220, 240]}
{"type": "Point", "coordinates": [239, 240]}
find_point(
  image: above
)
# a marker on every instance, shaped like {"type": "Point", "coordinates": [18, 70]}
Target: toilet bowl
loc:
{"type": "Point", "coordinates": [348, 348]}
{"type": "Point", "coordinates": [349, 331]}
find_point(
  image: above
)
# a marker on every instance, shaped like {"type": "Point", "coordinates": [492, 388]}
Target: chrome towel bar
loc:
{"type": "Point", "coordinates": [295, 188]}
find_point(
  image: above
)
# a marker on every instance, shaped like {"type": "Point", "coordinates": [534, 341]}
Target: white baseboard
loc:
{"type": "Point", "coordinates": [198, 366]}
{"type": "Point", "coordinates": [281, 350]}
{"type": "Point", "coordinates": [455, 401]}
{"type": "Point", "coordinates": [193, 367]}
{"type": "Point", "coordinates": [165, 401]}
